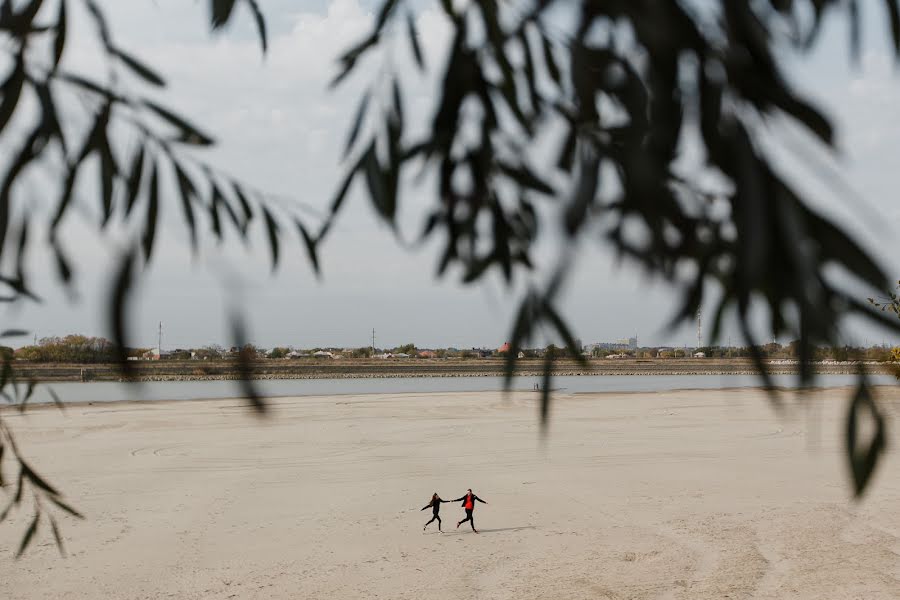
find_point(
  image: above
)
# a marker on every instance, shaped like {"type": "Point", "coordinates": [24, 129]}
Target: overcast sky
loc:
{"type": "Point", "coordinates": [279, 128]}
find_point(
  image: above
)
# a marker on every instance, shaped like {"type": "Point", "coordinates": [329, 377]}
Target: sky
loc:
{"type": "Point", "coordinates": [281, 129]}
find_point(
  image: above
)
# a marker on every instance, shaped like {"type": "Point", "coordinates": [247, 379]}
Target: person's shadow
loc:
{"type": "Point", "coordinates": [496, 530]}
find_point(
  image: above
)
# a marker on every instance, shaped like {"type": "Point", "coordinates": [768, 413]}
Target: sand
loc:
{"type": "Point", "coordinates": [694, 494]}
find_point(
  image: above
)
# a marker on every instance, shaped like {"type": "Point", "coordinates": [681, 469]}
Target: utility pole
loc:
{"type": "Point", "coordinates": [699, 328]}
{"type": "Point", "coordinates": [159, 341]}
{"type": "Point", "coordinates": [373, 342]}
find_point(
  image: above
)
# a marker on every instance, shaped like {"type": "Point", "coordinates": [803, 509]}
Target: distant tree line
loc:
{"type": "Point", "coordinates": [70, 349]}
{"type": "Point", "coordinates": [76, 348]}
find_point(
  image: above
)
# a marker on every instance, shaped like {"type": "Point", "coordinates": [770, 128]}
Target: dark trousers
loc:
{"type": "Point", "coordinates": [469, 518]}
{"type": "Point", "coordinates": [432, 520]}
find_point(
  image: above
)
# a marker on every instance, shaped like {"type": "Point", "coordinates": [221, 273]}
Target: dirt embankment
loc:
{"type": "Point", "coordinates": [194, 370]}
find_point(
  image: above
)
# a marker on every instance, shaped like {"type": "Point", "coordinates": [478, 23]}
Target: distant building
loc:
{"type": "Point", "coordinates": [427, 354]}
{"type": "Point", "coordinates": [622, 344]}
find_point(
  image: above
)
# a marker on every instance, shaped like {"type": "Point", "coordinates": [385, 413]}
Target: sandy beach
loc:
{"type": "Point", "coordinates": [691, 494]}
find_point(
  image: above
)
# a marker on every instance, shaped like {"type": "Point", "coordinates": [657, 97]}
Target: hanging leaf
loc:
{"type": "Point", "coordinates": [133, 185]}
{"type": "Point", "coordinates": [310, 243]}
{"type": "Point", "coordinates": [414, 40]}
{"type": "Point", "coordinates": [29, 535]}
{"type": "Point", "coordinates": [56, 536]}
{"type": "Point", "coordinates": [245, 366]}
{"type": "Point", "coordinates": [107, 176]}
{"type": "Point", "coordinates": [357, 122]}
{"type": "Point", "coordinates": [245, 207]}
{"type": "Point", "coordinates": [12, 89]}
{"type": "Point", "coordinates": [59, 38]}
{"type": "Point", "coordinates": [260, 24]}
{"type": "Point", "coordinates": [187, 192]}
{"type": "Point", "coordinates": [220, 12]}
{"type": "Point", "coordinates": [864, 460]}
{"type": "Point", "coordinates": [118, 308]}
{"type": "Point", "coordinates": [272, 230]}
{"type": "Point", "coordinates": [139, 68]}
{"type": "Point", "coordinates": [152, 213]}
{"type": "Point", "coordinates": [189, 134]}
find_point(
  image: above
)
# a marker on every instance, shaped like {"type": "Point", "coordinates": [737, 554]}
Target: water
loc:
{"type": "Point", "coordinates": [196, 390]}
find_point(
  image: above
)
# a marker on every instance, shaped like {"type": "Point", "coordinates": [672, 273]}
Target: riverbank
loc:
{"type": "Point", "coordinates": [194, 370]}
{"type": "Point", "coordinates": [697, 495]}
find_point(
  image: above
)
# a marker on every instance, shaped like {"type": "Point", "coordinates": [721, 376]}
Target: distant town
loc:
{"type": "Point", "coordinates": [85, 349]}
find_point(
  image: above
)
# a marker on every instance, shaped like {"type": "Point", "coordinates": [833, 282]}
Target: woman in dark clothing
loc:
{"type": "Point", "coordinates": [468, 503]}
{"type": "Point", "coordinates": [435, 506]}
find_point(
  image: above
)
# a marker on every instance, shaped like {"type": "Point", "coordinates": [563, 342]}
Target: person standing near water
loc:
{"type": "Point", "coordinates": [435, 506]}
{"type": "Point", "coordinates": [468, 503]}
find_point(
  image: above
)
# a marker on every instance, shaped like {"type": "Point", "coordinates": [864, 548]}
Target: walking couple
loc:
{"type": "Point", "coordinates": [468, 503]}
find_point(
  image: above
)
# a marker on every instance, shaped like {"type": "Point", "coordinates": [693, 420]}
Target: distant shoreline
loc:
{"type": "Point", "coordinates": [224, 370]}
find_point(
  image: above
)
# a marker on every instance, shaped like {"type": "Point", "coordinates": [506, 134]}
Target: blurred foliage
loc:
{"type": "Point", "coordinates": [622, 86]}
{"type": "Point", "coordinates": [619, 85]}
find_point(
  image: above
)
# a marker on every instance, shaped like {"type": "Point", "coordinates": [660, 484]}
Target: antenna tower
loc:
{"type": "Point", "coordinates": [699, 328]}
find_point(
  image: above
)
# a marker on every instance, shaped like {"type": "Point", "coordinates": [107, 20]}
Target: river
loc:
{"type": "Point", "coordinates": [196, 390]}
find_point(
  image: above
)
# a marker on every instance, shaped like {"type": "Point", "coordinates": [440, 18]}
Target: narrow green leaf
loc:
{"type": "Point", "coordinates": [187, 193]}
{"type": "Point", "coordinates": [563, 329]}
{"type": "Point", "coordinates": [133, 185]}
{"type": "Point", "coordinates": [245, 367]}
{"type": "Point", "coordinates": [853, 18]}
{"type": "Point", "coordinates": [550, 60]}
{"type": "Point", "coordinates": [357, 122]}
{"type": "Point", "coordinates": [894, 18]}
{"type": "Point", "coordinates": [12, 90]}
{"type": "Point", "coordinates": [520, 335]}
{"type": "Point", "coordinates": [29, 534]}
{"type": "Point", "coordinates": [189, 134]}
{"type": "Point", "coordinates": [245, 207]}
{"type": "Point", "coordinates": [863, 460]}
{"type": "Point", "coordinates": [310, 243]}
{"type": "Point", "coordinates": [56, 401]}
{"type": "Point", "coordinates": [152, 213]}
{"type": "Point", "coordinates": [221, 202]}
{"type": "Point", "coordinates": [378, 190]}
{"type": "Point", "coordinates": [107, 176]}
{"type": "Point", "coordinates": [414, 40]}
{"type": "Point", "coordinates": [59, 39]}
{"type": "Point", "coordinates": [100, 22]}
{"type": "Point", "coordinates": [139, 68]}
{"type": "Point", "coordinates": [36, 480]}
{"type": "Point", "coordinates": [526, 177]}
{"type": "Point", "coordinates": [56, 536]}
{"type": "Point", "coordinates": [63, 269]}
{"type": "Point", "coordinates": [13, 333]}
{"type": "Point", "coordinates": [220, 12]}
{"type": "Point", "coordinates": [119, 305]}
{"type": "Point", "coordinates": [272, 230]}
{"type": "Point", "coordinates": [546, 382]}
{"type": "Point", "coordinates": [260, 24]}
{"type": "Point", "coordinates": [91, 86]}
{"type": "Point", "coordinates": [65, 507]}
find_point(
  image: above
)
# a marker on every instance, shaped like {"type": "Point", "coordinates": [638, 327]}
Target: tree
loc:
{"type": "Point", "coordinates": [405, 349]}
{"type": "Point", "coordinates": [513, 75]}
{"type": "Point", "coordinates": [279, 352]}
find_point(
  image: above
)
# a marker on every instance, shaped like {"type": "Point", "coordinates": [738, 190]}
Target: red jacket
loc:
{"type": "Point", "coordinates": [468, 501]}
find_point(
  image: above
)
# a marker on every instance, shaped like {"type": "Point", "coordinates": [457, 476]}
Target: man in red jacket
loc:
{"type": "Point", "coordinates": [468, 503]}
